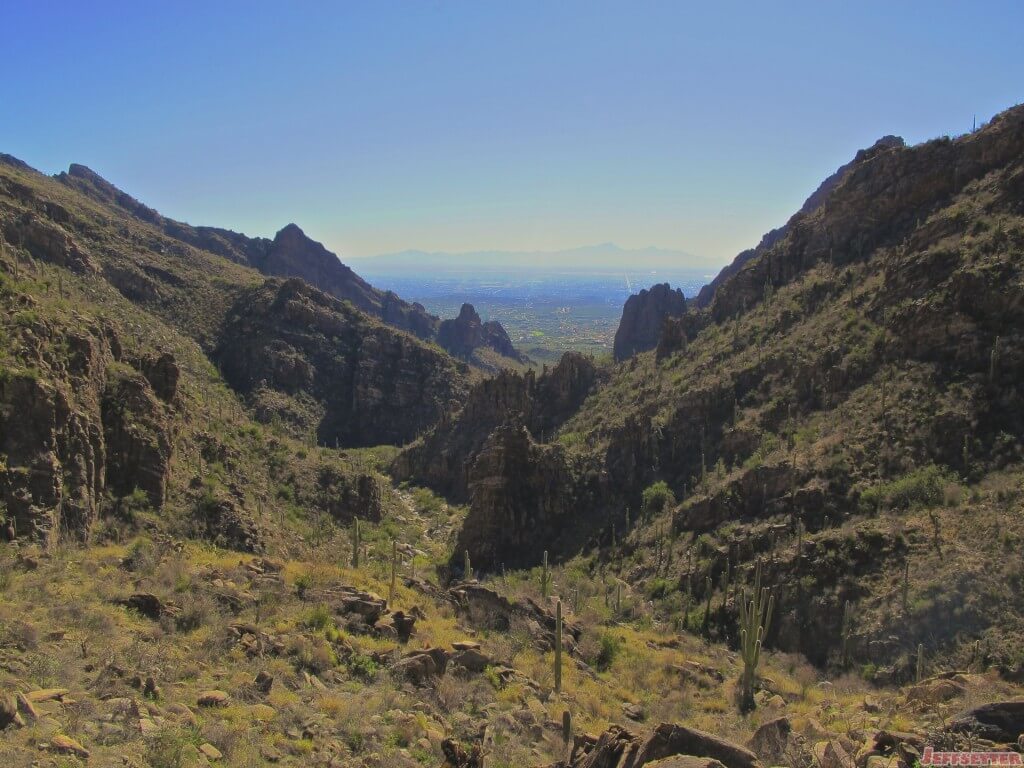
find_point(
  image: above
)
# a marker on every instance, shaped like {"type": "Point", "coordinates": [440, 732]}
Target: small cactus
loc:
{"type": "Point", "coordinates": [566, 727]}
{"type": "Point", "coordinates": [919, 670]}
{"type": "Point", "coordinates": [467, 566]}
{"type": "Point", "coordinates": [545, 577]}
{"type": "Point", "coordinates": [708, 589]}
{"type": "Point", "coordinates": [357, 543]}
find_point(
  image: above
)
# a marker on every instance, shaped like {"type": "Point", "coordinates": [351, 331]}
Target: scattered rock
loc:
{"type": "Point", "coordinates": [210, 751]}
{"type": "Point", "coordinates": [263, 682]}
{"type": "Point", "coordinates": [65, 745]}
{"type": "Point", "coordinates": [213, 699]}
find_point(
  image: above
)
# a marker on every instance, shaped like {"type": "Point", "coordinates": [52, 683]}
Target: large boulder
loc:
{"type": "Point", "coordinates": [1001, 721]}
{"type": "Point", "coordinates": [669, 739]}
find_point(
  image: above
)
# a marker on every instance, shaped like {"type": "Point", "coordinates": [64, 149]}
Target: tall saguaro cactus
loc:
{"type": "Point", "coordinates": [558, 647]}
{"type": "Point", "coordinates": [394, 571]}
{"type": "Point", "coordinates": [357, 542]}
{"type": "Point", "coordinates": [755, 619]}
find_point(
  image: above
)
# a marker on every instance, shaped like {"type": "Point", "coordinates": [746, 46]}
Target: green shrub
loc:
{"type": "Point", "coordinates": [923, 488]}
{"type": "Point", "coordinates": [318, 618]}
{"type": "Point", "coordinates": [656, 498]}
{"type": "Point", "coordinates": [608, 650]}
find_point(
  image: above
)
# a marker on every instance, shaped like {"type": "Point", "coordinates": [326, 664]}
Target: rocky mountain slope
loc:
{"type": "Point", "coordinates": [113, 409]}
{"type": "Point", "coordinates": [812, 203]}
{"type": "Point", "coordinates": [292, 254]}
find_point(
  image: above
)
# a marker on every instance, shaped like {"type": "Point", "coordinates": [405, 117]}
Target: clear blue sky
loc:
{"type": "Point", "coordinates": [379, 126]}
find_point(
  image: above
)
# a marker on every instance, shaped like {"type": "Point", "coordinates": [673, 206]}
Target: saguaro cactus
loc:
{"type": "Point", "coordinates": [394, 570]}
{"type": "Point", "coordinates": [357, 543]}
{"type": "Point", "coordinates": [566, 727]}
{"type": "Point", "coordinates": [755, 619]}
{"type": "Point", "coordinates": [545, 577]}
{"type": "Point", "coordinates": [920, 663]}
{"type": "Point", "coordinates": [467, 566]}
{"type": "Point", "coordinates": [558, 647]}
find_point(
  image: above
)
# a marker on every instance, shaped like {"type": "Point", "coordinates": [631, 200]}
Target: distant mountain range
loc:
{"type": "Point", "coordinates": [604, 256]}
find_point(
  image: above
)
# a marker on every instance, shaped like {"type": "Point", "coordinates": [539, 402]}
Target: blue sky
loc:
{"type": "Point", "coordinates": [379, 126]}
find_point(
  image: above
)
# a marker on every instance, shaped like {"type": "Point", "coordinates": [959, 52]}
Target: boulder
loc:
{"type": "Point", "coordinates": [8, 712]}
{"type": "Point", "coordinates": [1001, 721]}
{"type": "Point", "coordinates": [65, 745]}
{"type": "Point", "coordinates": [213, 698]}
{"type": "Point", "coordinates": [669, 739]}
{"type": "Point", "coordinates": [935, 691]}
{"type": "Point", "coordinates": [776, 743]}
{"type": "Point", "coordinates": [830, 754]}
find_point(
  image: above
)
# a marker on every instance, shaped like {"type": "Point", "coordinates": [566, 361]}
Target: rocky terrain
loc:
{"type": "Point", "coordinates": [247, 520]}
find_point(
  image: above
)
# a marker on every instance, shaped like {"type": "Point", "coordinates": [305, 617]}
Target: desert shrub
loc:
{"type": "Point", "coordinates": [600, 651]}
{"type": "Point", "coordinates": [142, 557]}
{"type": "Point", "coordinates": [656, 498]}
{"type": "Point", "coordinates": [197, 610]}
{"type": "Point", "coordinates": [924, 488]}
{"type": "Point", "coordinates": [318, 618]}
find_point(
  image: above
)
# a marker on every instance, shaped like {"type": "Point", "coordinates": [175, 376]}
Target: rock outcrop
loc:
{"type": "Point", "coordinates": [443, 458]}
{"type": "Point", "coordinates": [521, 493]}
{"type": "Point", "coordinates": [74, 428]}
{"type": "Point", "coordinates": [370, 384]}
{"type": "Point", "coordinates": [668, 743]}
{"type": "Point", "coordinates": [643, 317]}
{"type": "Point", "coordinates": [466, 333]}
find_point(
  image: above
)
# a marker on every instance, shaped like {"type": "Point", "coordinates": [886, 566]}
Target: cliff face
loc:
{"type": "Point", "coordinates": [643, 317]}
{"type": "Point", "coordinates": [369, 384]}
{"type": "Point", "coordinates": [443, 458]}
{"type": "Point", "coordinates": [74, 427]}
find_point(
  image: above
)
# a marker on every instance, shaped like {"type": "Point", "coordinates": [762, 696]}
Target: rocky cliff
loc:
{"type": "Point", "coordinates": [443, 458]}
{"type": "Point", "coordinates": [368, 383]}
{"type": "Point", "coordinates": [74, 426]}
{"type": "Point", "coordinates": [643, 317]}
